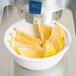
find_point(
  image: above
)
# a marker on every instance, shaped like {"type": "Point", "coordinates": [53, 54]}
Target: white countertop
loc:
{"type": "Point", "coordinates": [8, 67]}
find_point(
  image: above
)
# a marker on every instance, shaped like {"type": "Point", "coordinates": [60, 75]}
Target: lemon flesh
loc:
{"type": "Point", "coordinates": [27, 37]}
{"type": "Point", "coordinates": [30, 52]}
{"type": "Point", "coordinates": [56, 31]}
{"type": "Point", "coordinates": [48, 50]}
{"type": "Point", "coordinates": [57, 42]}
{"type": "Point", "coordinates": [44, 31]}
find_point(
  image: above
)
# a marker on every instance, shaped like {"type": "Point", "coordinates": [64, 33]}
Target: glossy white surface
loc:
{"type": "Point", "coordinates": [66, 67]}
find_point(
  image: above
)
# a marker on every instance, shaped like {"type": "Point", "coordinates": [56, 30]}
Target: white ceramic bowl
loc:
{"type": "Point", "coordinates": [33, 63]}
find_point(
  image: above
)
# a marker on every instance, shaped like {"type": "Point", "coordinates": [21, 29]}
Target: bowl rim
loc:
{"type": "Point", "coordinates": [38, 59]}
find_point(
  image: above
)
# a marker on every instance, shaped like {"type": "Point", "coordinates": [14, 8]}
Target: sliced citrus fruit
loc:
{"type": "Point", "coordinates": [36, 29]}
{"type": "Point", "coordinates": [57, 42]}
{"type": "Point", "coordinates": [24, 41]}
{"type": "Point", "coordinates": [48, 49]}
{"type": "Point", "coordinates": [27, 37]}
{"type": "Point", "coordinates": [15, 45]}
{"type": "Point", "coordinates": [44, 31]}
{"type": "Point", "coordinates": [19, 42]}
{"type": "Point", "coordinates": [30, 52]}
{"type": "Point", "coordinates": [56, 31]}
{"type": "Point", "coordinates": [32, 47]}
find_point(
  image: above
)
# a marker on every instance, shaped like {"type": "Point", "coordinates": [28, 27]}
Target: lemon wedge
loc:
{"type": "Point", "coordinates": [30, 52]}
{"type": "Point", "coordinates": [27, 37]}
{"type": "Point", "coordinates": [15, 47]}
{"type": "Point", "coordinates": [48, 50]}
{"type": "Point", "coordinates": [24, 41]}
{"type": "Point", "coordinates": [57, 42]}
{"type": "Point", "coordinates": [18, 42]}
{"type": "Point", "coordinates": [56, 31]}
{"type": "Point", "coordinates": [44, 31]}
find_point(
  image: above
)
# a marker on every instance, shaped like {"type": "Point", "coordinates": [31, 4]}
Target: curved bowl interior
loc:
{"type": "Point", "coordinates": [26, 27]}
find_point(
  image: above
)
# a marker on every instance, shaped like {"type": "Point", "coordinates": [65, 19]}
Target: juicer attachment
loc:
{"type": "Point", "coordinates": [41, 8]}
